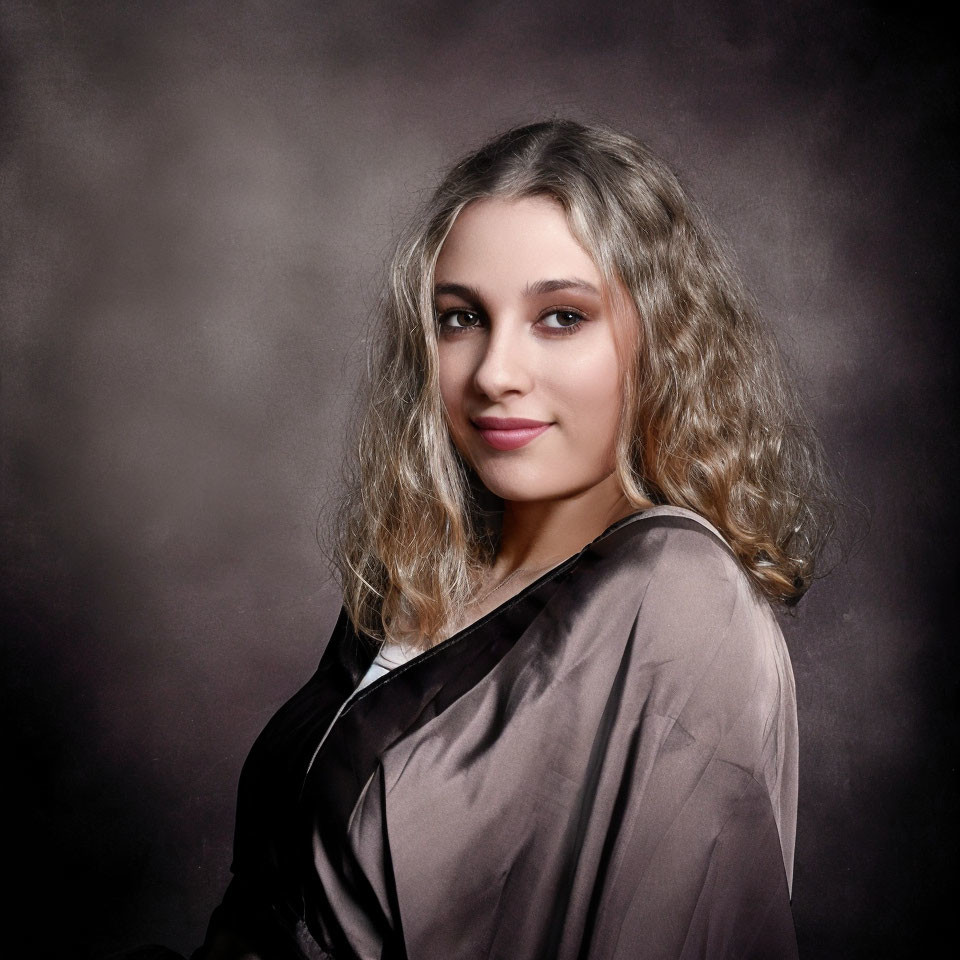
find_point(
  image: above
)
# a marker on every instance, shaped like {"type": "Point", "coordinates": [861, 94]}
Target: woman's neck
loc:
{"type": "Point", "coordinates": [537, 534]}
{"type": "Point", "coordinates": [536, 537]}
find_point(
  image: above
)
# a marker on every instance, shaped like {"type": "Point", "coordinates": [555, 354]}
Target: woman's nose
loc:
{"type": "Point", "coordinates": [504, 364]}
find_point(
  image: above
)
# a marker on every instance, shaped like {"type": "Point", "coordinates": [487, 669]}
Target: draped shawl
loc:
{"type": "Point", "coordinates": [603, 767]}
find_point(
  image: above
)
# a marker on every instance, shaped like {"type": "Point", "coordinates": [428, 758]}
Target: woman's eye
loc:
{"type": "Point", "coordinates": [558, 321]}
{"type": "Point", "coordinates": [457, 319]}
{"type": "Point", "coordinates": [564, 319]}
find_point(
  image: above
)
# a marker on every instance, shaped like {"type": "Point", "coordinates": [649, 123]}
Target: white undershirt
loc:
{"type": "Point", "coordinates": [391, 655]}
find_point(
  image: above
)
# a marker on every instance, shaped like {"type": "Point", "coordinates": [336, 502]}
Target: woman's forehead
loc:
{"type": "Point", "coordinates": [513, 237]}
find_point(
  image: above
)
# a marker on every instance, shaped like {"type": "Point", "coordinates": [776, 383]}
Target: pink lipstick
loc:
{"type": "Point", "coordinates": [509, 433]}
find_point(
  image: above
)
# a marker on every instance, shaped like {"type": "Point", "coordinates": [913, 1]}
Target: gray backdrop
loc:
{"type": "Point", "coordinates": [196, 200]}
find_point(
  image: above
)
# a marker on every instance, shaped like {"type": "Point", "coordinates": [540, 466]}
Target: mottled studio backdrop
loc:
{"type": "Point", "coordinates": [196, 200]}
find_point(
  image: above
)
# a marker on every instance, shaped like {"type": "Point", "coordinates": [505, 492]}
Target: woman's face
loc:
{"type": "Point", "coordinates": [526, 330]}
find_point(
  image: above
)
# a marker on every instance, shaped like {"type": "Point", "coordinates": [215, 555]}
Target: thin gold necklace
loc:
{"type": "Point", "coordinates": [515, 573]}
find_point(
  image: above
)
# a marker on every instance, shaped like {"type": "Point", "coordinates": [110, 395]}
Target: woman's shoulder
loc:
{"type": "Point", "coordinates": [692, 593]}
{"type": "Point", "coordinates": [675, 543]}
{"type": "Point", "coordinates": [701, 627]}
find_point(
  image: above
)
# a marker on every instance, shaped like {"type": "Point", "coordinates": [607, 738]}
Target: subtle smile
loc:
{"type": "Point", "coordinates": [509, 433]}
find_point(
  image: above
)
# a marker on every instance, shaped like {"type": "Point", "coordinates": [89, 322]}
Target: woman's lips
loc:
{"type": "Point", "coordinates": [509, 433]}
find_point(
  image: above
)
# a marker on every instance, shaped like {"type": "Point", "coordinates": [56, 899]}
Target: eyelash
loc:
{"type": "Point", "coordinates": [554, 331]}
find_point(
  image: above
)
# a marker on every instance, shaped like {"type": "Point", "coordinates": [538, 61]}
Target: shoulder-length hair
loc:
{"type": "Point", "coordinates": [710, 421]}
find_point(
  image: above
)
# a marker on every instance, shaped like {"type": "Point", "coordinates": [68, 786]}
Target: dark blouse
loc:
{"type": "Point", "coordinates": [605, 766]}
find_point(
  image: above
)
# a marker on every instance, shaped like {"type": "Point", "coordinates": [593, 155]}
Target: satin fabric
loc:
{"type": "Point", "coordinates": [602, 768]}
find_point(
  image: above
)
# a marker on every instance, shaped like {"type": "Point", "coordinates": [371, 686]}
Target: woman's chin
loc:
{"type": "Point", "coordinates": [516, 492]}
{"type": "Point", "coordinates": [524, 490]}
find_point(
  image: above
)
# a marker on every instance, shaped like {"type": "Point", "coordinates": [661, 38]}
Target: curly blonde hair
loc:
{"type": "Point", "coordinates": [711, 421]}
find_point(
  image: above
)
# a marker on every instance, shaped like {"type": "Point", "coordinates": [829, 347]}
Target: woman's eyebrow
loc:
{"type": "Point", "coordinates": [553, 286]}
{"type": "Point", "coordinates": [537, 288]}
{"type": "Point", "coordinates": [458, 290]}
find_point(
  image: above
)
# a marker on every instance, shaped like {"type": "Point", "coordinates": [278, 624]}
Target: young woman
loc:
{"type": "Point", "coordinates": [556, 717]}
